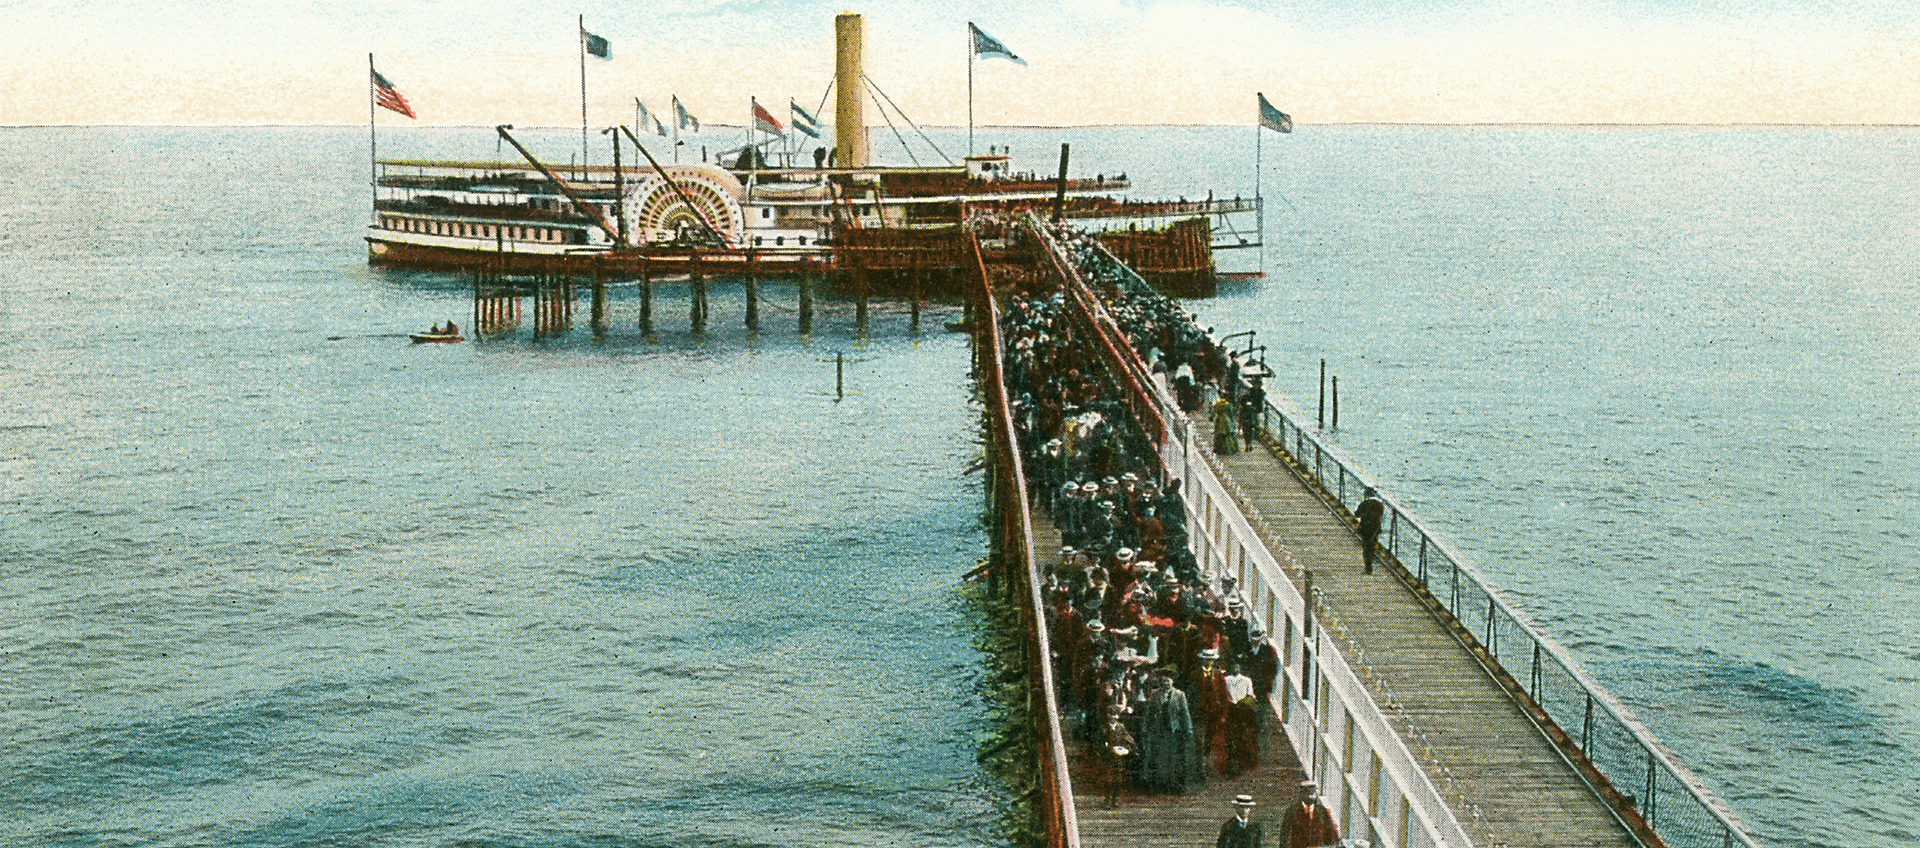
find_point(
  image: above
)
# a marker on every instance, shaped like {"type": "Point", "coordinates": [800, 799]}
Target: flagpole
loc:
{"type": "Point", "coordinates": [373, 144]}
{"type": "Point", "coordinates": [583, 97]}
{"type": "Point", "coordinates": [1259, 205]}
{"type": "Point", "coordinates": [677, 108]}
{"type": "Point", "coordinates": [971, 51]}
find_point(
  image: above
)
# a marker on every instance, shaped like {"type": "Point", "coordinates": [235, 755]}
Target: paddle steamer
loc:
{"type": "Point", "coordinates": [847, 215]}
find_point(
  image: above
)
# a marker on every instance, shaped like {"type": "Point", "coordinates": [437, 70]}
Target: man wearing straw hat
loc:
{"type": "Point", "coordinates": [1241, 831]}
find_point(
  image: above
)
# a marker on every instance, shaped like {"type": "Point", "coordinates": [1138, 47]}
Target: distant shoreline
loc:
{"type": "Point", "coordinates": [737, 128]}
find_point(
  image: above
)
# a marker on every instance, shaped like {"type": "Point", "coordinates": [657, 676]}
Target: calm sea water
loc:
{"type": "Point", "coordinates": [266, 586]}
{"type": "Point", "coordinates": [1663, 385]}
{"type": "Point", "coordinates": [273, 576]}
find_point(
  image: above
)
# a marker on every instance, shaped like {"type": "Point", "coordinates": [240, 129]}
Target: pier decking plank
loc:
{"type": "Point", "coordinates": [1506, 783]}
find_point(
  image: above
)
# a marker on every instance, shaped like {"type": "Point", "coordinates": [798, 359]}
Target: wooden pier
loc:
{"type": "Point", "coordinates": [1507, 783]}
{"type": "Point", "coordinates": [1415, 732]}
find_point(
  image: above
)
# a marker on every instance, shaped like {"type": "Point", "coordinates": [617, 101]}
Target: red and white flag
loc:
{"type": "Point", "coordinates": [389, 97]}
{"type": "Point", "coordinates": [764, 121]}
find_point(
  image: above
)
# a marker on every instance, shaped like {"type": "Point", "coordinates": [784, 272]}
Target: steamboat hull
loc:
{"type": "Point", "coordinates": [909, 263]}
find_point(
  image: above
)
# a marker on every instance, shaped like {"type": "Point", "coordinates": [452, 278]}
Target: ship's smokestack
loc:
{"type": "Point", "coordinates": [849, 115]}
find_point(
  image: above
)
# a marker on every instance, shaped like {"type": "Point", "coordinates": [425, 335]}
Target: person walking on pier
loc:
{"type": "Point", "coordinates": [1241, 831]}
{"type": "Point", "coordinates": [1309, 823]}
{"type": "Point", "coordinates": [1225, 443]}
{"type": "Point", "coordinates": [1370, 511]}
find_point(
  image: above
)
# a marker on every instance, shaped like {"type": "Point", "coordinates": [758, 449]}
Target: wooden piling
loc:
{"type": "Point", "coordinates": [599, 300]}
{"type": "Point", "coordinates": [697, 304]}
{"type": "Point", "coordinates": [646, 301]}
{"type": "Point", "coordinates": [753, 294]}
{"type": "Point", "coordinates": [806, 306]}
{"type": "Point", "coordinates": [1322, 417]}
{"type": "Point", "coordinates": [539, 305]}
{"type": "Point", "coordinates": [1336, 402]}
{"type": "Point", "coordinates": [917, 280]}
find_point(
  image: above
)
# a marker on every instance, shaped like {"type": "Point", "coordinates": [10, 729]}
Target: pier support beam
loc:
{"type": "Point", "coordinates": [599, 301]}
{"type": "Point", "coordinates": [1322, 417]}
{"type": "Point", "coordinates": [539, 305]}
{"type": "Point", "coordinates": [915, 301]}
{"type": "Point", "coordinates": [806, 306]}
{"type": "Point", "coordinates": [646, 301]}
{"type": "Point", "coordinates": [697, 300]}
{"type": "Point", "coordinates": [753, 294]}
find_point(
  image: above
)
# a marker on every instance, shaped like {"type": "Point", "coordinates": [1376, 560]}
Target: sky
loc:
{"type": "Point", "coordinates": [303, 62]}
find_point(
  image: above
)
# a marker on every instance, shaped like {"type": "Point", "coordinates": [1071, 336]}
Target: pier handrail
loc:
{"type": "Point", "coordinates": [1056, 785]}
{"type": "Point", "coordinates": [1322, 691]}
{"type": "Point", "coordinates": [1654, 796]}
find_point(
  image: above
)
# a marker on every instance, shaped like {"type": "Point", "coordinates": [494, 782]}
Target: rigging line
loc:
{"type": "Point", "coordinates": [823, 99]}
{"type": "Point", "coordinates": [896, 130]}
{"type": "Point", "coordinates": [903, 116]}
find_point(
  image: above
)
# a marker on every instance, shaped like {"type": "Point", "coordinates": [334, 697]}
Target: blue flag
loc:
{"type": "Point", "coordinates": [987, 47]}
{"type": "Point", "coordinates": [684, 118]}
{"type": "Point", "coordinates": [648, 121]}
{"type": "Point", "coordinates": [802, 121]}
{"type": "Point", "coordinates": [597, 46]}
{"type": "Point", "coordinates": [1272, 118]}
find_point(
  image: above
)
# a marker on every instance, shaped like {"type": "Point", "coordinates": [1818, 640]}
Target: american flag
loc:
{"type": "Point", "coordinates": [389, 97]}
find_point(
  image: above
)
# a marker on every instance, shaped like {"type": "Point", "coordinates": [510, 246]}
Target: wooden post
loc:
{"type": "Point", "coordinates": [646, 300]}
{"type": "Point", "coordinates": [476, 306]}
{"type": "Point", "coordinates": [539, 305]}
{"type": "Point", "coordinates": [697, 302]}
{"type": "Point", "coordinates": [839, 377]}
{"type": "Point", "coordinates": [753, 294]}
{"type": "Point", "coordinates": [1060, 189]}
{"type": "Point", "coordinates": [599, 300]}
{"type": "Point", "coordinates": [806, 306]}
{"type": "Point", "coordinates": [1336, 402]}
{"type": "Point", "coordinates": [1322, 419]}
{"type": "Point", "coordinates": [915, 326]}
{"type": "Point", "coordinates": [1306, 616]}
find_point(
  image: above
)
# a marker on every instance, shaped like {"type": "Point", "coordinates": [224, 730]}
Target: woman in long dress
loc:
{"type": "Point", "coordinates": [1225, 440]}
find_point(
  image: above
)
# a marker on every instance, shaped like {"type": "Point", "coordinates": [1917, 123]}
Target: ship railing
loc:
{"type": "Point", "coordinates": [1184, 207]}
{"type": "Point", "coordinates": [1020, 567]}
{"type": "Point", "coordinates": [1658, 799]}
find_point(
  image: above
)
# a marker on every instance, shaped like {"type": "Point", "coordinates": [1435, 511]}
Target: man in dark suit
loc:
{"type": "Point", "coordinates": [1241, 831]}
{"type": "Point", "coordinates": [1370, 511]}
{"type": "Point", "coordinates": [1309, 823]}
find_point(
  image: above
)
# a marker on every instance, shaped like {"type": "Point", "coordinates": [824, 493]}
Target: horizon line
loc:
{"type": "Point", "coordinates": [1575, 124]}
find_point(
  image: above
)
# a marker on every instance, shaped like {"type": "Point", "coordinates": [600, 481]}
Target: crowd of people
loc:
{"type": "Point", "coordinates": [1161, 664]}
{"type": "Point", "coordinates": [1197, 365]}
